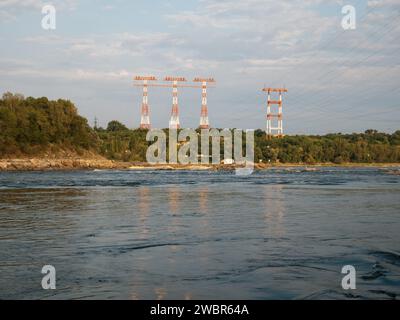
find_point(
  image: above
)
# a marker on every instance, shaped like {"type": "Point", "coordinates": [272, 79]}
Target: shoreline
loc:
{"type": "Point", "coordinates": [67, 164]}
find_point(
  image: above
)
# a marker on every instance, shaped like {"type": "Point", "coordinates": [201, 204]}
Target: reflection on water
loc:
{"type": "Point", "coordinates": [203, 199]}
{"type": "Point", "coordinates": [173, 198]}
{"type": "Point", "coordinates": [200, 235]}
{"type": "Point", "coordinates": [144, 210]}
{"type": "Point", "coordinates": [160, 293]}
{"type": "Point", "coordinates": [174, 202]}
{"type": "Point", "coordinates": [274, 210]}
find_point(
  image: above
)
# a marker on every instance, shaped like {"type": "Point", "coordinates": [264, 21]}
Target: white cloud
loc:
{"type": "Point", "coordinates": [383, 3]}
{"type": "Point", "coordinates": [10, 9]}
{"type": "Point", "coordinates": [243, 44]}
{"type": "Point", "coordinates": [67, 74]}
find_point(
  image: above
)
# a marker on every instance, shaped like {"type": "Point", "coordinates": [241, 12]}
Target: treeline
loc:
{"type": "Point", "coordinates": [31, 126]}
{"type": "Point", "coordinates": [118, 142]}
{"type": "Point", "coordinates": [371, 146]}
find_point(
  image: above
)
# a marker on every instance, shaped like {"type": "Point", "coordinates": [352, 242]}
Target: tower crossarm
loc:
{"type": "Point", "coordinates": [279, 90]}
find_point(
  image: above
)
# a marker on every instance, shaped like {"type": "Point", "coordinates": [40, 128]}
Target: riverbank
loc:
{"type": "Point", "coordinates": [55, 164]}
{"type": "Point", "coordinates": [44, 164]}
{"type": "Point", "coordinates": [47, 164]}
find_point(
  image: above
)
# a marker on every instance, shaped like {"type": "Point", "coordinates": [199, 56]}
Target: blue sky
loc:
{"type": "Point", "coordinates": [338, 81]}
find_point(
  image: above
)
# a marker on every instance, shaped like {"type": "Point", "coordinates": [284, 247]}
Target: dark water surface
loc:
{"type": "Point", "coordinates": [277, 234]}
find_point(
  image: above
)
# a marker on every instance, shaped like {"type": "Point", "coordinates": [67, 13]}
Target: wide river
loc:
{"type": "Point", "coordinates": [277, 234]}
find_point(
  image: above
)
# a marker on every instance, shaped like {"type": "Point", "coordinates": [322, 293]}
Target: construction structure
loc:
{"type": "Point", "coordinates": [174, 120]}
{"type": "Point", "coordinates": [145, 115]}
{"type": "Point", "coordinates": [204, 121]}
{"type": "Point", "coordinates": [276, 131]}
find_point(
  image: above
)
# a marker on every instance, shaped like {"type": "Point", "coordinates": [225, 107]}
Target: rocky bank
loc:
{"type": "Point", "coordinates": [57, 164]}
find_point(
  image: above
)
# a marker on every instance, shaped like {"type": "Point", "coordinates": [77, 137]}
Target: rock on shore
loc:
{"type": "Point", "coordinates": [31, 164]}
{"type": "Point", "coordinates": [56, 164]}
{"type": "Point", "coordinates": [41, 164]}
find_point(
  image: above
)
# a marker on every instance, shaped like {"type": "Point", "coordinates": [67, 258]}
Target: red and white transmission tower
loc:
{"type": "Point", "coordinates": [145, 116]}
{"type": "Point", "coordinates": [274, 131]}
{"type": "Point", "coordinates": [174, 121]}
{"type": "Point", "coordinates": [204, 122]}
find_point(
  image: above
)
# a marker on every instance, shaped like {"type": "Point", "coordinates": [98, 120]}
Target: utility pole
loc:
{"type": "Point", "coordinates": [174, 120]}
{"type": "Point", "coordinates": [270, 130]}
{"type": "Point", "coordinates": [145, 114]}
{"type": "Point", "coordinates": [204, 122]}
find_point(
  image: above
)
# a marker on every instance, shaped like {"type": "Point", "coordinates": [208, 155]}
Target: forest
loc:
{"type": "Point", "coordinates": [32, 126]}
{"type": "Point", "coordinates": [39, 126]}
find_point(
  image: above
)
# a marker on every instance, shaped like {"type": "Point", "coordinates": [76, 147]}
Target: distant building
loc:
{"type": "Point", "coordinates": [228, 161]}
{"type": "Point", "coordinates": [202, 156]}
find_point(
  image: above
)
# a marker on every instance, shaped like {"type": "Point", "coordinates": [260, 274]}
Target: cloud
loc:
{"type": "Point", "coordinates": [108, 7]}
{"type": "Point", "coordinates": [254, 27]}
{"type": "Point", "coordinates": [243, 44]}
{"type": "Point", "coordinates": [17, 4]}
{"type": "Point", "coordinates": [66, 74]}
{"type": "Point", "coordinates": [11, 9]}
{"type": "Point", "coordinates": [383, 3]}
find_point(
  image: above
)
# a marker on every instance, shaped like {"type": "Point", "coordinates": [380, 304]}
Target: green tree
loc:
{"type": "Point", "coordinates": [115, 125]}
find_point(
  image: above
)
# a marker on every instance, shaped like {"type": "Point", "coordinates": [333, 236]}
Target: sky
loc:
{"type": "Point", "coordinates": [338, 80]}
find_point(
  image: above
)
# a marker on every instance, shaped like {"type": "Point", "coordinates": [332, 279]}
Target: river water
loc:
{"type": "Point", "coordinates": [277, 234]}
